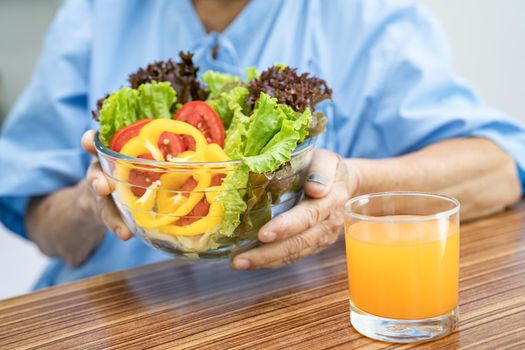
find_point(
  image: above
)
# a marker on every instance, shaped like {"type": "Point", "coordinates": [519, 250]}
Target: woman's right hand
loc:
{"type": "Point", "coordinates": [101, 204]}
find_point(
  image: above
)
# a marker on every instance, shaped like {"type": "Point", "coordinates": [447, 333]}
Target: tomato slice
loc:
{"type": "Point", "coordinates": [125, 134]}
{"type": "Point", "coordinates": [199, 211]}
{"type": "Point", "coordinates": [189, 143]}
{"type": "Point", "coordinates": [202, 116]}
{"type": "Point", "coordinates": [188, 186]}
{"type": "Point", "coordinates": [143, 178]}
{"type": "Point", "coordinates": [202, 208]}
{"type": "Point", "coordinates": [216, 180]}
{"type": "Point", "coordinates": [170, 144]}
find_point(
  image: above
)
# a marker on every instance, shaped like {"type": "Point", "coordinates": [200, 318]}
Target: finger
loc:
{"type": "Point", "coordinates": [98, 181]}
{"type": "Point", "coordinates": [321, 174]}
{"type": "Point", "coordinates": [308, 212]}
{"type": "Point", "coordinates": [290, 250]}
{"type": "Point", "coordinates": [110, 217]}
{"type": "Point", "coordinates": [88, 142]}
{"type": "Point", "coordinates": [303, 216]}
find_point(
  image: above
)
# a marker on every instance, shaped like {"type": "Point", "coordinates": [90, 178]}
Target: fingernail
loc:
{"type": "Point", "coordinates": [241, 264]}
{"type": "Point", "coordinates": [269, 236]}
{"type": "Point", "coordinates": [118, 231]}
{"type": "Point", "coordinates": [317, 178]}
{"type": "Point", "coordinates": [94, 184]}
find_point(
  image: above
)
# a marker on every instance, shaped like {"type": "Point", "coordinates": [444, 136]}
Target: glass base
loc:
{"type": "Point", "coordinates": [403, 331]}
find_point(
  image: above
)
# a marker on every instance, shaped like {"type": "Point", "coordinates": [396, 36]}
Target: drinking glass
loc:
{"type": "Point", "coordinates": [402, 253]}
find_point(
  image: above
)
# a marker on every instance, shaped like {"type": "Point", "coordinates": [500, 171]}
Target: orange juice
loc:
{"type": "Point", "coordinates": [403, 270]}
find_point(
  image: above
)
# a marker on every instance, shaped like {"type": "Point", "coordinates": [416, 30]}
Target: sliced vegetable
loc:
{"type": "Point", "coordinates": [198, 212]}
{"type": "Point", "coordinates": [171, 145]}
{"type": "Point", "coordinates": [203, 117]}
{"type": "Point", "coordinates": [176, 207]}
{"type": "Point", "coordinates": [123, 135]}
{"type": "Point", "coordinates": [208, 223]}
{"type": "Point", "coordinates": [149, 138]}
{"type": "Point", "coordinates": [142, 178]}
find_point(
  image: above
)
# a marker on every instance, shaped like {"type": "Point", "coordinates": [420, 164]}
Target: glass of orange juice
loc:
{"type": "Point", "coordinates": [402, 253]}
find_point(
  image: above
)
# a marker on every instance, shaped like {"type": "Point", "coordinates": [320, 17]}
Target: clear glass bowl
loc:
{"type": "Point", "coordinates": [155, 213]}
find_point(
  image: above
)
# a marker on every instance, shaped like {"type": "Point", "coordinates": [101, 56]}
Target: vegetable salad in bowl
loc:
{"type": "Point", "coordinates": [200, 165]}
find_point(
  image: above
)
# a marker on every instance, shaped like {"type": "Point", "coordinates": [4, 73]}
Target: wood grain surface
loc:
{"type": "Point", "coordinates": [180, 305]}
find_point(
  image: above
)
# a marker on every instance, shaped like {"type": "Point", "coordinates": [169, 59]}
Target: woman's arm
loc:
{"type": "Point", "coordinates": [476, 171]}
{"type": "Point", "coordinates": [71, 222]}
{"type": "Point", "coordinates": [62, 224]}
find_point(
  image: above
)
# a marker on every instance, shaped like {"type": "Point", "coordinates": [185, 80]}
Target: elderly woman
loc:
{"type": "Point", "coordinates": [399, 119]}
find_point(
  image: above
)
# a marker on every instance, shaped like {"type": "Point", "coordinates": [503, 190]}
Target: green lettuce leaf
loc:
{"type": "Point", "coordinates": [125, 106]}
{"type": "Point", "coordinates": [252, 73]}
{"type": "Point", "coordinates": [227, 102]}
{"type": "Point", "coordinates": [300, 119]}
{"type": "Point", "coordinates": [155, 100]}
{"type": "Point", "coordinates": [219, 82]}
{"type": "Point", "coordinates": [120, 109]}
{"type": "Point", "coordinates": [279, 149]}
{"type": "Point", "coordinates": [275, 131]}
{"type": "Point", "coordinates": [300, 130]}
{"type": "Point", "coordinates": [232, 199]}
{"type": "Point", "coordinates": [277, 152]}
{"type": "Point", "coordinates": [235, 141]}
{"type": "Point", "coordinates": [266, 121]}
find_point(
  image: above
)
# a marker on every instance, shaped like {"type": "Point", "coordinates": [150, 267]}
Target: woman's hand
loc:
{"type": "Point", "coordinates": [310, 226]}
{"type": "Point", "coordinates": [102, 205]}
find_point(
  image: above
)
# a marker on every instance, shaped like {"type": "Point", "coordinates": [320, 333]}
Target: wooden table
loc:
{"type": "Point", "coordinates": [179, 305]}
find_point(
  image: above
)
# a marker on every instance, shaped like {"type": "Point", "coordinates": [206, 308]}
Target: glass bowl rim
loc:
{"type": "Point", "coordinates": [107, 152]}
{"type": "Point", "coordinates": [436, 216]}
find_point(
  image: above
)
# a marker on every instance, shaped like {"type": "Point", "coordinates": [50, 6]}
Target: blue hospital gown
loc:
{"type": "Point", "coordinates": [388, 62]}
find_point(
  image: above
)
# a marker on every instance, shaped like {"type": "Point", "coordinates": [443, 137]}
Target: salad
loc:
{"type": "Point", "coordinates": [248, 131]}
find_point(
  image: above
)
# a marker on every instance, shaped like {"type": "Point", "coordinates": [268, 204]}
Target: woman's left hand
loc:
{"type": "Point", "coordinates": [310, 226]}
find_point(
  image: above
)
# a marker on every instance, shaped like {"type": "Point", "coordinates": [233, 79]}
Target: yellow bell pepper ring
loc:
{"type": "Point", "coordinates": [151, 133]}
{"type": "Point", "coordinates": [147, 139]}
{"type": "Point", "coordinates": [144, 203]}
{"type": "Point", "coordinates": [206, 224]}
{"type": "Point", "coordinates": [214, 153]}
{"type": "Point", "coordinates": [180, 205]}
{"type": "Point", "coordinates": [138, 145]}
{"type": "Point", "coordinates": [151, 219]}
{"type": "Point", "coordinates": [175, 206]}
{"type": "Point", "coordinates": [166, 200]}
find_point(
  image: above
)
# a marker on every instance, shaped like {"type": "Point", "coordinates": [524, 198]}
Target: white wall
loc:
{"type": "Point", "coordinates": [487, 37]}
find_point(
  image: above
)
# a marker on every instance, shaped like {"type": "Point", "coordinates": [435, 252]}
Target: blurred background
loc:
{"type": "Point", "coordinates": [486, 37]}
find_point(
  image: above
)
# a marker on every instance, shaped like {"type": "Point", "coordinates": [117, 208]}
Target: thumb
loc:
{"type": "Point", "coordinates": [88, 141]}
{"type": "Point", "coordinates": [321, 174]}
